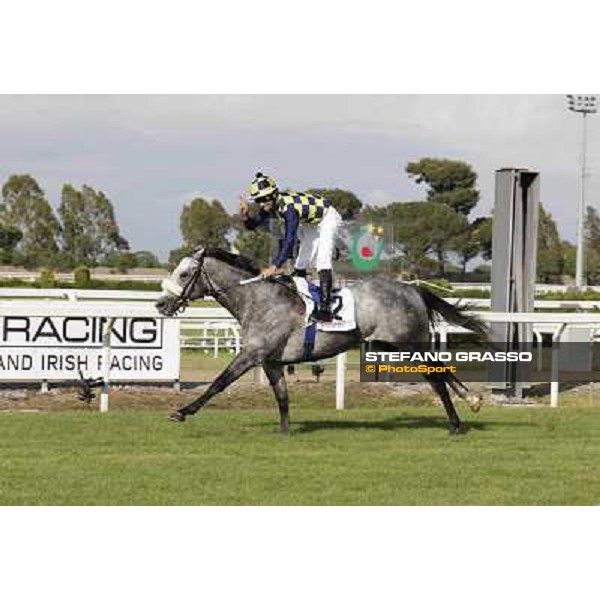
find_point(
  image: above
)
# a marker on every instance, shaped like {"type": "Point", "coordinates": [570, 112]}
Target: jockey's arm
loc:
{"type": "Point", "coordinates": [292, 221]}
{"type": "Point", "coordinates": [256, 221]}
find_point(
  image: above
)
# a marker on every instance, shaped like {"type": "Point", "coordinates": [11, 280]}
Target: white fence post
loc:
{"type": "Point", "coordinates": [105, 365]}
{"type": "Point", "coordinates": [554, 386]}
{"type": "Point", "coordinates": [340, 380]}
{"type": "Point", "coordinates": [539, 343]}
{"type": "Point", "coordinates": [443, 331]}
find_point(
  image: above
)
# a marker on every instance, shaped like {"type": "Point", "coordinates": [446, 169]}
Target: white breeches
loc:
{"type": "Point", "coordinates": [317, 242]}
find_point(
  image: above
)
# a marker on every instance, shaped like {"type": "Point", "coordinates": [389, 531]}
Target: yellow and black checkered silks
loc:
{"type": "Point", "coordinates": [310, 207]}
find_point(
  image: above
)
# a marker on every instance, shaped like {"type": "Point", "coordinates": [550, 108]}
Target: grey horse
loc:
{"type": "Point", "coordinates": [272, 319]}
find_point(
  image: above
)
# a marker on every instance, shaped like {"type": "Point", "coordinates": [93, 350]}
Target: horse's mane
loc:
{"type": "Point", "coordinates": [235, 260]}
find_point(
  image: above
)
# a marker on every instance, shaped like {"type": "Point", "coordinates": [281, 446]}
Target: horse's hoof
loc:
{"type": "Point", "coordinates": [460, 430]}
{"type": "Point", "coordinates": [474, 403]}
{"type": "Point", "coordinates": [177, 417]}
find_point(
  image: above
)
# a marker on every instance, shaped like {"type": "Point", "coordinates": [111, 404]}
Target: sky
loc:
{"type": "Point", "coordinates": [152, 153]}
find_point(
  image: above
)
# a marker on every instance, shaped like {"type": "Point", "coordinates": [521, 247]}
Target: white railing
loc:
{"type": "Point", "coordinates": [554, 323]}
{"type": "Point", "coordinates": [539, 287]}
{"type": "Point", "coordinates": [35, 275]}
{"type": "Point", "coordinates": [149, 296]}
{"type": "Point", "coordinates": [68, 294]}
{"type": "Point", "coordinates": [211, 335]}
{"type": "Point", "coordinates": [550, 323]}
{"type": "Point", "coordinates": [538, 304]}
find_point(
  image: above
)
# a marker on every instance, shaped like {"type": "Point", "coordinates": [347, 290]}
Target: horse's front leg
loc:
{"type": "Point", "coordinates": [277, 380]}
{"type": "Point", "coordinates": [244, 361]}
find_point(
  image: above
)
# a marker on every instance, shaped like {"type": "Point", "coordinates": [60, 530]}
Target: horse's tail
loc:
{"type": "Point", "coordinates": [455, 315]}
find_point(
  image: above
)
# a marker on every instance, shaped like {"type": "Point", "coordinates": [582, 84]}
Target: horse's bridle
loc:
{"type": "Point", "coordinates": [182, 293]}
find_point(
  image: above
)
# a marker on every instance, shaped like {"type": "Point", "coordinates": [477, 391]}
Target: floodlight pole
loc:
{"type": "Point", "coordinates": [584, 105]}
{"type": "Point", "coordinates": [581, 220]}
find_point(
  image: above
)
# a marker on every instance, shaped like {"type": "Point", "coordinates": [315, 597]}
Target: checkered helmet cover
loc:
{"type": "Point", "coordinates": [261, 186]}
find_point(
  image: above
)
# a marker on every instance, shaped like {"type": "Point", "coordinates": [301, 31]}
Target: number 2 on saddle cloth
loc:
{"type": "Point", "coordinates": [310, 333]}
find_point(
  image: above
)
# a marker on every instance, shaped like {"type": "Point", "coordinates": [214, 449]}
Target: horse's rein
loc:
{"type": "Point", "coordinates": [291, 288]}
{"type": "Point", "coordinates": [183, 294]}
{"type": "Point", "coordinates": [286, 285]}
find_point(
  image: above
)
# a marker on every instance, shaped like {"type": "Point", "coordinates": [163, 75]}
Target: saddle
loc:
{"type": "Point", "coordinates": [342, 306]}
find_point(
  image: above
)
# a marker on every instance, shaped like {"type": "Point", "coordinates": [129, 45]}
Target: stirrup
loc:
{"type": "Point", "coordinates": [323, 316]}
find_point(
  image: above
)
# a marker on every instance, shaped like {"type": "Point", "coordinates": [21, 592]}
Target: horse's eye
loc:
{"type": "Point", "coordinates": [185, 275]}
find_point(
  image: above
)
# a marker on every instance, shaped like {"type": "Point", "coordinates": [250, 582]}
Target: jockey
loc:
{"type": "Point", "coordinates": [307, 217]}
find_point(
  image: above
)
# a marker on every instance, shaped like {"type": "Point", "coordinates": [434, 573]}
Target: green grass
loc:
{"type": "Point", "coordinates": [361, 456]}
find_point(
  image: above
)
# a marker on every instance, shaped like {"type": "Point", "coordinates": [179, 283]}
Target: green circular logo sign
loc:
{"type": "Point", "coordinates": [366, 248]}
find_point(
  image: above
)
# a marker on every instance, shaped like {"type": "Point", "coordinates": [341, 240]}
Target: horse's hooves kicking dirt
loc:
{"type": "Point", "coordinates": [177, 417]}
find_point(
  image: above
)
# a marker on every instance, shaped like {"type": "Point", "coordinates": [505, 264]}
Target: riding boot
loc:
{"type": "Point", "coordinates": [326, 280]}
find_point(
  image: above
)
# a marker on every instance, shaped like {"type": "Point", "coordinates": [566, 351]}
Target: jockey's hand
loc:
{"type": "Point", "coordinates": [244, 208]}
{"type": "Point", "coordinates": [271, 271]}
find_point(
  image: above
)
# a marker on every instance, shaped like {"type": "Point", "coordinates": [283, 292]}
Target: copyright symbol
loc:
{"type": "Point", "coordinates": [370, 369]}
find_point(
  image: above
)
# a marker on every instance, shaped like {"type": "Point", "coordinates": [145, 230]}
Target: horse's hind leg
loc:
{"type": "Point", "coordinates": [277, 380]}
{"type": "Point", "coordinates": [438, 383]}
{"type": "Point", "coordinates": [473, 400]}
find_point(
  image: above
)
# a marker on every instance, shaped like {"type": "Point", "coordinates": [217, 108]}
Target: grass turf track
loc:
{"type": "Point", "coordinates": [361, 456]}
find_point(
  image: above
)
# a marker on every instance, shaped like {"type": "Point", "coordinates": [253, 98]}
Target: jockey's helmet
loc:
{"type": "Point", "coordinates": [262, 187]}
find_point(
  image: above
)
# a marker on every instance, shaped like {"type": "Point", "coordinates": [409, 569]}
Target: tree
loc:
{"type": "Point", "coordinates": [122, 261]}
{"type": "Point", "coordinates": [449, 182]}
{"type": "Point", "coordinates": [550, 251]}
{"type": "Point", "coordinates": [420, 229]}
{"type": "Point", "coordinates": [467, 245]}
{"type": "Point", "coordinates": [205, 223]}
{"type": "Point", "coordinates": [90, 233]}
{"type": "Point", "coordinates": [344, 201]}
{"type": "Point", "coordinates": [569, 252]}
{"type": "Point", "coordinates": [177, 254]}
{"type": "Point", "coordinates": [483, 229]}
{"type": "Point", "coordinates": [24, 207]}
{"type": "Point", "coordinates": [592, 249]}
{"type": "Point", "coordinates": [255, 244]}
{"type": "Point", "coordinates": [82, 277]}
{"type": "Point", "coordinates": [9, 238]}
{"type": "Point", "coordinates": [474, 240]}
{"type": "Point", "coordinates": [592, 244]}
{"type": "Point", "coordinates": [146, 259]}
{"type": "Point", "coordinates": [131, 260]}
{"type": "Point", "coordinates": [442, 226]}
{"type": "Point", "coordinates": [258, 244]}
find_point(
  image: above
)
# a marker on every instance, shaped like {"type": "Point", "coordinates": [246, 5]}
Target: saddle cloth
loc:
{"type": "Point", "coordinates": [342, 302]}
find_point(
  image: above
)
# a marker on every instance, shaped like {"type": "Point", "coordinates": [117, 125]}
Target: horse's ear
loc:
{"type": "Point", "coordinates": [199, 253]}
